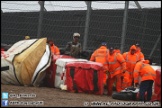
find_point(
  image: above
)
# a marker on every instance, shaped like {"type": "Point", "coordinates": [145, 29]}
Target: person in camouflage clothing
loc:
{"type": "Point", "coordinates": [73, 48]}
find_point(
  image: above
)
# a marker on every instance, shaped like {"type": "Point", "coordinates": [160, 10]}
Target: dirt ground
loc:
{"type": "Point", "coordinates": [52, 97]}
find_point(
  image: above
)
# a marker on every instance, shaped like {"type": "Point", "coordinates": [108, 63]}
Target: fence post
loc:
{"type": "Point", "coordinates": [40, 19]}
{"type": "Point", "coordinates": [156, 43]}
{"type": "Point", "coordinates": [125, 17]}
{"type": "Point", "coordinates": [87, 25]}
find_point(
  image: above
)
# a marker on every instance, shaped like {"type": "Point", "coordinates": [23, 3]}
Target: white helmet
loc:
{"type": "Point", "coordinates": [76, 34]}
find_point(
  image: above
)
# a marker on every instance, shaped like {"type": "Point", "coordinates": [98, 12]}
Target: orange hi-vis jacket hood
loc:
{"type": "Point", "coordinates": [130, 59]}
{"type": "Point", "coordinates": [100, 56]}
{"type": "Point", "coordinates": [140, 54]}
{"type": "Point", "coordinates": [117, 50]}
{"type": "Point", "coordinates": [55, 50]}
{"type": "Point", "coordinates": [133, 47]}
{"type": "Point", "coordinates": [145, 71]}
{"type": "Point", "coordinates": [116, 64]}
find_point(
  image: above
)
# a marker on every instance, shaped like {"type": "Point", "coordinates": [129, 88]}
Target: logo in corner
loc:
{"type": "Point", "coordinates": [4, 102]}
{"type": "Point", "coordinates": [4, 95]}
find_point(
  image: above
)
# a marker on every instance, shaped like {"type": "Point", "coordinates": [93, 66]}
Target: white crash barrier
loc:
{"type": "Point", "coordinates": [22, 59]}
{"type": "Point", "coordinates": [44, 63]}
{"type": "Point", "coordinates": [61, 71]}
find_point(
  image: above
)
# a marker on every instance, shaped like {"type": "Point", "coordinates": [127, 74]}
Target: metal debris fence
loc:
{"type": "Point", "coordinates": [119, 27]}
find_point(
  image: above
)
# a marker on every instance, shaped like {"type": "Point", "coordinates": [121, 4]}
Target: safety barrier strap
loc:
{"type": "Point", "coordinates": [72, 71]}
{"type": "Point", "coordinates": [4, 68]}
{"type": "Point", "coordinates": [95, 81]}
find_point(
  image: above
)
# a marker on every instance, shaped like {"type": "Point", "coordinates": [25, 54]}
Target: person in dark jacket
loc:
{"type": "Point", "coordinates": [73, 48]}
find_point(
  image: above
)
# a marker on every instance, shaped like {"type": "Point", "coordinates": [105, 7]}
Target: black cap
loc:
{"type": "Point", "coordinates": [104, 43]}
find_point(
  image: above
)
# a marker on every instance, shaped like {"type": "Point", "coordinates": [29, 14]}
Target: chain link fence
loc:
{"type": "Point", "coordinates": [60, 21]}
{"type": "Point", "coordinates": [144, 27]}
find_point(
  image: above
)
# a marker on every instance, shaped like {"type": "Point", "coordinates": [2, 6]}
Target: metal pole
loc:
{"type": "Point", "coordinates": [87, 25]}
{"type": "Point", "coordinates": [40, 19]}
{"type": "Point", "coordinates": [40, 5]}
{"type": "Point", "coordinates": [155, 45]}
{"type": "Point", "coordinates": [138, 5]}
{"type": "Point", "coordinates": [124, 28]}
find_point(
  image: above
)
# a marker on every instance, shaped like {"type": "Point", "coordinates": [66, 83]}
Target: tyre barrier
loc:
{"type": "Point", "coordinates": [129, 93]}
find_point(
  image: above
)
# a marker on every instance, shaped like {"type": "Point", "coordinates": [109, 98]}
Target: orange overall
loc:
{"type": "Point", "coordinates": [130, 64]}
{"type": "Point", "coordinates": [116, 64]}
{"type": "Point", "coordinates": [55, 50]}
{"type": "Point", "coordinates": [100, 56]}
